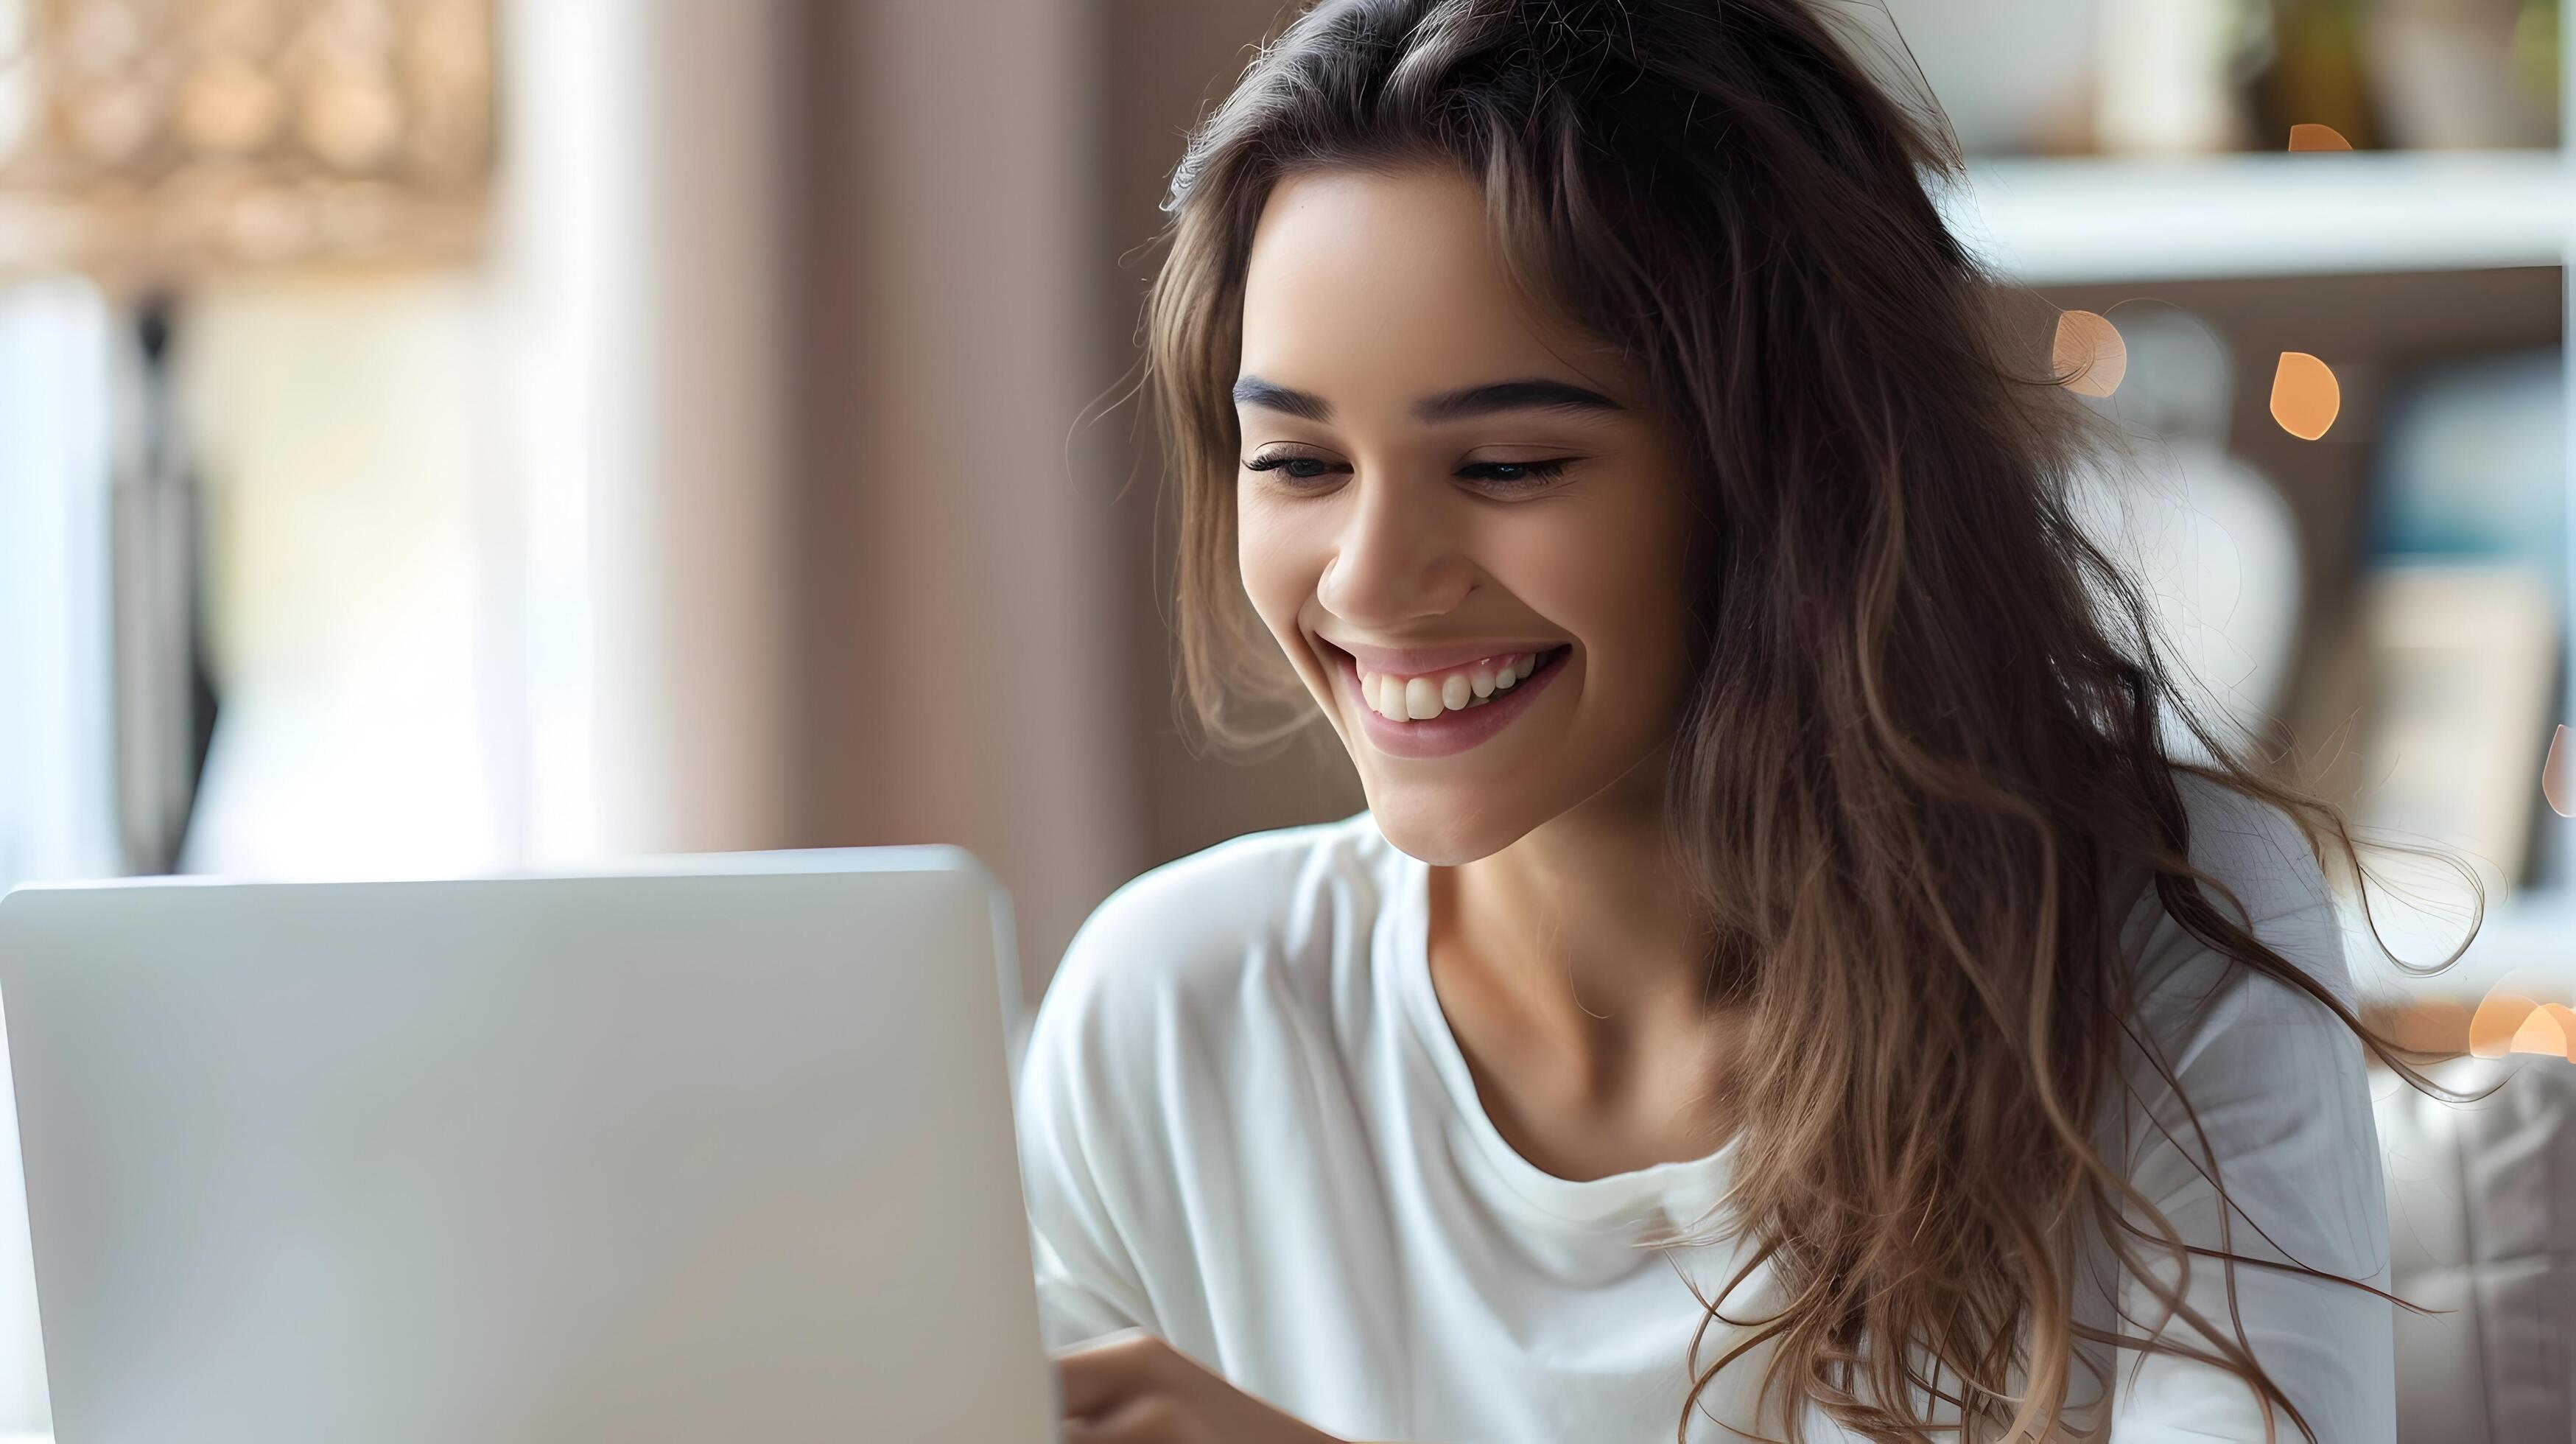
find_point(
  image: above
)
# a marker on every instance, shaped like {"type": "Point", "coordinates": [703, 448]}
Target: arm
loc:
{"type": "Point", "coordinates": [1134, 1388]}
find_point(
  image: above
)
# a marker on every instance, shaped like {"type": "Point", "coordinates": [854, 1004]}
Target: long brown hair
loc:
{"type": "Point", "coordinates": [1920, 780]}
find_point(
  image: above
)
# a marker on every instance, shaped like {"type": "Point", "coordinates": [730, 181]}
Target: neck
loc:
{"type": "Point", "coordinates": [1574, 979]}
{"type": "Point", "coordinates": [1585, 916]}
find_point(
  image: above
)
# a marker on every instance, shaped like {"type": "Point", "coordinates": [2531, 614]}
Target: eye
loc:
{"type": "Point", "coordinates": [1507, 476]}
{"type": "Point", "coordinates": [1298, 471]}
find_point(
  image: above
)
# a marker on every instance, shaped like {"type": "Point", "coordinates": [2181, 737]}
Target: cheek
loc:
{"type": "Point", "coordinates": [1278, 575]}
{"type": "Point", "coordinates": [1614, 583]}
{"type": "Point", "coordinates": [1655, 602]}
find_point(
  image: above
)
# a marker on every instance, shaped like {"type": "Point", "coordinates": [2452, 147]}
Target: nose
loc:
{"type": "Point", "coordinates": [1396, 558]}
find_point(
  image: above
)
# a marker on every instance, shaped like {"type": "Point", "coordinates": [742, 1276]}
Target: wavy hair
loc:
{"type": "Point", "coordinates": [1920, 778]}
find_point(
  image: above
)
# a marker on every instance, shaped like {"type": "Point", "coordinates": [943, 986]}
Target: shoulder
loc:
{"type": "Point", "coordinates": [2259, 851]}
{"type": "Point", "coordinates": [1214, 940]}
{"type": "Point", "coordinates": [2243, 1061]}
{"type": "Point", "coordinates": [1191, 1004]}
{"type": "Point", "coordinates": [2262, 874]}
{"type": "Point", "coordinates": [1240, 891]}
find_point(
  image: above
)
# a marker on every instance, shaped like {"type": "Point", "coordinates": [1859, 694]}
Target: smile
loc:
{"type": "Point", "coordinates": [1437, 714]}
{"type": "Point", "coordinates": [1455, 689]}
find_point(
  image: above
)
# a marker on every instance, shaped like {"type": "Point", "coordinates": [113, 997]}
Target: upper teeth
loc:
{"type": "Point", "coordinates": [1429, 695]}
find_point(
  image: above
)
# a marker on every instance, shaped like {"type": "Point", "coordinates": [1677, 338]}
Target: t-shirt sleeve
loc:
{"type": "Point", "coordinates": [1076, 1163]}
{"type": "Point", "coordinates": [2280, 1105]}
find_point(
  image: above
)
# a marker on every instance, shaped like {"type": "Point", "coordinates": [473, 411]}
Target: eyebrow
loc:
{"type": "Point", "coordinates": [1534, 393]}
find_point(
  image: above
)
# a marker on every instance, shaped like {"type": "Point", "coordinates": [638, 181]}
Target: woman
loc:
{"type": "Point", "coordinates": [1778, 985]}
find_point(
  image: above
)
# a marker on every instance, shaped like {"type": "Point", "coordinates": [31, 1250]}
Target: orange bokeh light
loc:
{"type": "Point", "coordinates": [2308, 135]}
{"type": "Point", "coordinates": [2511, 1023]}
{"type": "Point", "coordinates": [2306, 398]}
{"type": "Point", "coordinates": [2549, 1029]}
{"type": "Point", "coordinates": [2491, 1029]}
{"type": "Point", "coordinates": [2090, 356]}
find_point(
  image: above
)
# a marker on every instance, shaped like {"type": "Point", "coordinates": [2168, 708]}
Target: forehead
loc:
{"type": "Point", "coordinates": [1365, 286]}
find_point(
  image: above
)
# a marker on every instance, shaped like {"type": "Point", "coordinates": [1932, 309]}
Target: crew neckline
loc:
{"type": "Point", "coordinates": [1658, 1201]}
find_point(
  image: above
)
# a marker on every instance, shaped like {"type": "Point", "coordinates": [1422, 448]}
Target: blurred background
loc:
{"type": "Point", "coordinates": [454, 435]}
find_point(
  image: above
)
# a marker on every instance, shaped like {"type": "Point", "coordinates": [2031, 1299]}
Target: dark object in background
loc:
{"type": "Point", "coordinates": [165, 695]}
{"type": "Point", "coordinates": [2411, 74]}
{"type": "Point", "coordinates": [2317, 74]}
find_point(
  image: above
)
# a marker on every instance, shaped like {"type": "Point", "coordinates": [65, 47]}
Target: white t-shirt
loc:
{"type": "Point", "coordinates": [1248, 1129]}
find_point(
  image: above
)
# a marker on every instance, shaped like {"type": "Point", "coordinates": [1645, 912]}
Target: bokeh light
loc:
{"type": "Point", "coordinates": [2548, 1030]}
{"type": "Point", "coordinates": [2090, 357]}
{"type": "Point", "coordinates": [2508, 1023]}
{"type": "Point", "coordinates": [2306, 398]}
{"type": "Point", "coordinates": [2492, 1027]}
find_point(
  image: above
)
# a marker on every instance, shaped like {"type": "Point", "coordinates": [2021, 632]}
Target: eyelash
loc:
{"type": "Point", "coordinates": [1534, 474]}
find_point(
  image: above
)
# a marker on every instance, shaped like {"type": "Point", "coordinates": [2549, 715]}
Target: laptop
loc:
{"type": "Point", "coordinates": [698, 1149]}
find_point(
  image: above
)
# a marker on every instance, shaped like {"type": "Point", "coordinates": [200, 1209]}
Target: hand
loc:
{"type": "Point", "coordinates": [1132, 1388]}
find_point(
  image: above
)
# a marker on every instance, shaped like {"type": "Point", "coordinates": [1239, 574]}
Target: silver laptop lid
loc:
{"type": "Point", "coordinates": [716, 1148]}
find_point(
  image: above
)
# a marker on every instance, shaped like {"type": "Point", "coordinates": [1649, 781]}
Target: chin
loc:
{"type": "Point", "coordinates": [1435, 825]}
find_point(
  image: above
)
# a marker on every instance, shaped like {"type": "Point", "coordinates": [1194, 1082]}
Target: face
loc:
{"type": "Point", "coordinates": [1460, 523]}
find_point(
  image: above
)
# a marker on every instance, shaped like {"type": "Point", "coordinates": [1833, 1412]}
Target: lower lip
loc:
{"type": "Point", "coordinates": [1450, 733]}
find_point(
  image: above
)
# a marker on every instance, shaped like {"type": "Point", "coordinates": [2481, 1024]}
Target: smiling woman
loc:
{"type": "Point", "coordinates": [1780, 986]}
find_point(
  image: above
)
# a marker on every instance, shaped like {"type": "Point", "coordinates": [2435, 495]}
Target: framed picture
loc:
{"type": "Point", "coordinates": [2462, 662]}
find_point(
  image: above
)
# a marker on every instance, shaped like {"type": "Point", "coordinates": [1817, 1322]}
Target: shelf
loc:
{"type": "Point", "coordinates": [2057, 221]}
